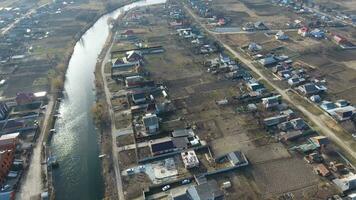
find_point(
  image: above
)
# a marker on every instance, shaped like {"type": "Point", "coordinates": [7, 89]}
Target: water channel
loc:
{"type": "Point", "coordinates": [76, 143]}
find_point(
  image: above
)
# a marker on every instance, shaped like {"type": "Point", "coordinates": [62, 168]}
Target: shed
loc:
{"type": "Point", "coordinates": [321, 170]}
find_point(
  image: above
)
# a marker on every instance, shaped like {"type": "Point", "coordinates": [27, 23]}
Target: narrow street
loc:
{"type": "Point", "coordinates": [32, 181]}
{"type": "Point", "coordinates": [316, 119]}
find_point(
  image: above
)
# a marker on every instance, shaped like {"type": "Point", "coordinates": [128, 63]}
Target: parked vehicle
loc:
{"type": "Point", "coordinates": [130, 171]}
{"type": "Point", "coordinates": [185, 181]}
{"type": "Point", "coordinates": [165, 188]}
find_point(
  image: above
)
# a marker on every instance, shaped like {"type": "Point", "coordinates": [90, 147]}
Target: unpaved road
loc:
{"type": "Point", "coordinates": [113, 128]}
{"type": "Point", "coordinates": [32, 182]}
{"type": "Point", "coordinates": [316, 119]}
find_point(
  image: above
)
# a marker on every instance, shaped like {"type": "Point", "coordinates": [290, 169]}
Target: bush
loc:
{"type": "Point", "coordinates": [100, 114]}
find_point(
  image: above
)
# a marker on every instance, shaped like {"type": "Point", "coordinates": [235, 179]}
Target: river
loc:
{"type": "Point", "coordinates": [76, 143]}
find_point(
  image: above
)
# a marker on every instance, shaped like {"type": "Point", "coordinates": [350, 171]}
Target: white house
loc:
{"type": "Point", "coordinates": [151, 123]}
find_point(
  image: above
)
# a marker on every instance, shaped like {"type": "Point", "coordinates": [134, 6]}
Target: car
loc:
{"type": "Point", "coordinates": [165, 188]}
{"type": "Point", "coordinates": [141, 168]}
{"type": "Point", "coordinates": [185, 181]}
{"type": "Point", "coordinates": [130, 171]}
{"type": "Point", "coordinates": [354, 136]}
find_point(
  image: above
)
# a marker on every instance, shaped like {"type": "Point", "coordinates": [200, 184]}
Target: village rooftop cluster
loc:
{"type": "Point", "coordinates": [182, 157]}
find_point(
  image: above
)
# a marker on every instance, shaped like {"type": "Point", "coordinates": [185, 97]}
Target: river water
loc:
{"type": "Point", "coordinates": [76, 143]}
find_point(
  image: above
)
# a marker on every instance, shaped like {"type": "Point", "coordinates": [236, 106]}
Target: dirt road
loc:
{"type": "Point", "coordinates": [113, 128]}
{"type": "Point", "coordinates": [315, 119]}
{"type": "Point", "coordinates": [32, 181]}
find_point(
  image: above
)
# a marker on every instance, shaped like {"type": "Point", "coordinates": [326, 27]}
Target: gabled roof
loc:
{"type": "Point", "coordinates": [183, 133]}
{"type": "Point", "coordinates": [237, 158]}
{"type": "Point", "coordinates": [205, 191]}
{"type": "Point", "coordinates": [133, 53]}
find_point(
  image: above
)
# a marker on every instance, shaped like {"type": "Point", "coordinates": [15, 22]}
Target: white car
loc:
{"type": "Point", "coordinates": [354, 136]}
{"type": "Point", "coordinates": [165, 188]}
{"type": "Point", "coordinates": [142, 168]}
{"type": "Point", "coordinates": [130, 171]}
{"type": "Point", "coordinates": [185, 181]}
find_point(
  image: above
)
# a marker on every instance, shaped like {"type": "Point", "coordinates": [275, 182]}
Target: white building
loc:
{"type": "Point", "coordinates": [280, 35]}
{"type": "Point", "coordinates": [190, 159]}
{"type": "Point", "coordinates": [151, 123]}
{"type": "Point", "coordinates": [347, 183]}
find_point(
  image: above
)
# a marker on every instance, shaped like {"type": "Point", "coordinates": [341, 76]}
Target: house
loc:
{"type": "Point", "coordinates": [190, 159]}
{"type": "Point", "coordinates": [208, 190]}
{"type": "Point", "coordinates": [164, 107]}
{"type": "Point", "coordinates": [162, 147]}
{"type": "Point", "coordinates": [272, 121]}
{"type": "Point", "coordinates": [24, 98]}
{"type": "Point", "coordinates": [267, 61]}
{"type": "Point", "coordinates": [224, 58]}
{"type": "Point", "coordinates": [290, 135]}
{"type": "Point", "coordinates": [339, 39]}
{"type": "Point", "coordinates": [280, 35]}
{"type": "Point", "coordinates": [133, 81]}
{"type": "Point", "coordinates": [344, 113]}
{"type": "Point", "coordinates": [317, 33]}
{"type": "Point", "coordinates": [221, 21]}
{"type": "Point", "coordinates": [255, 86]}
{"type": "Point", "coordinates": [304, 31]}
{"type": "Point", "coordinates": [308, 89]}
{"type": "Point", "coordinates": [133, 56]}
{"type": "Point", "coordinates": [285, 74]}
{"type": "Point", "coordinates": [346, 183]}
{"type": "Point", "coordinates": [248, 27]}
{"type": "Point", "coordinates": [295, 81]}
{"type": "Point", "coordinates": [314, 157]}
{"type": "Point", "coordinates": [271, 102]}
{"type": "Point", "coordinates": [6, 158]}
{"type": "Point", "coordinates": [327, 105]}
{"type": "Point", "coordinates": [294, 124]}
{"type": "Point", "coordinates": [121, 64]}
{"type": "Point", "coordinates": [280, 67]}
{"type": "Point", "coordinates": [253, 47]}
{"type": "Point", "coordinates": [321, 170]}
{"type": "Point", "coordinates": [151, 123]}
{"type": "Point", "coordinates": [183, 133]}
{"type": "Point", "coordinates": [237, 159]}
{"type": "Point", "coordinates": [289, 113]}
{"type": "Point", "coordinates": [8, 141]}
{"type": "Point", "coordinates": [260, 26]}
{"type": "Point", "coordinates": [320, 140]}
{"type": "Point", "coordinates": [138, 97]}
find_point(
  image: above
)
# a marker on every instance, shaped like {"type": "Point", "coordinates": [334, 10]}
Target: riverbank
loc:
{"type": "Point", "coordinates": [108, 173]}
{"type": "Point", "coordinates": [57, 92]}
{"type": "Point", "coordinates": [106, 124]}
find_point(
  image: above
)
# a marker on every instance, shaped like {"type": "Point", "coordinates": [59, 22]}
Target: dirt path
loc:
{"type": "Point", "coordinates": [113, 128]}
{"type": "Point", "coordinates": [32, 181]}
{"type": "Point", "coordinates": [316, 119]}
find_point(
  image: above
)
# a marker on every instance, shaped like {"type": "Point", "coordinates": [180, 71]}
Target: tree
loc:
{"type": "Point", "coordinates": [100, 114]}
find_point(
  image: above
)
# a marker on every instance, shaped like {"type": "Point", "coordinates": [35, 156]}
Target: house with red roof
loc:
{"type": "Point", "coordinates": [304, 31]}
